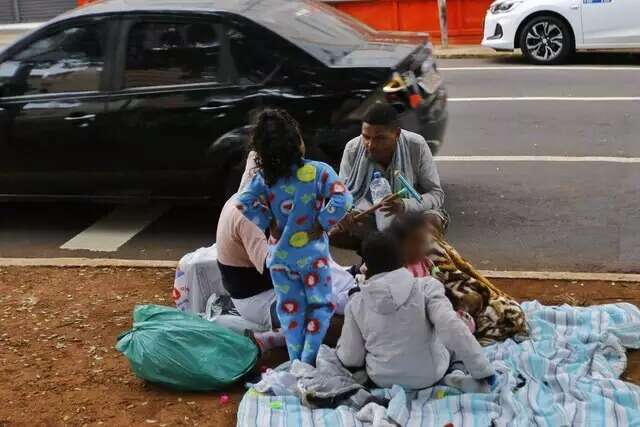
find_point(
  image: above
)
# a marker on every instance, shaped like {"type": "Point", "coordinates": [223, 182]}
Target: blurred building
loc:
{"type": "Point", "coordinates": [465, 17]}
{"type": "Point", "coordinates": [15, 11]}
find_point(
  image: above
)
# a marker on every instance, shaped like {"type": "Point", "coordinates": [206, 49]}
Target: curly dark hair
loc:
{"type": "Point", "coordinates": [277, 143]}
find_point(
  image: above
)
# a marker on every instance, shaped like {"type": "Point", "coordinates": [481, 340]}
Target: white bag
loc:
{"type": "Point", "coordinates": [197, 278]}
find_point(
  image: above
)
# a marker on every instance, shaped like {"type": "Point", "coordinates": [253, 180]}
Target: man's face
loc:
{"type": "Point", "coordinates": [379, 141]}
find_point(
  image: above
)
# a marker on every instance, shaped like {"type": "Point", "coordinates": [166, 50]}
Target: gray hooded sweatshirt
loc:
{"type": "Point", "coordinates": [404, 329]}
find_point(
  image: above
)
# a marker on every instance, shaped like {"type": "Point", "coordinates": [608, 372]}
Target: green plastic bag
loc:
{"type": "Point", "coordinates": [184, 352]}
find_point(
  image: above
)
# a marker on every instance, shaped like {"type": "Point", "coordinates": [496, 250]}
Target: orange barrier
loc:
{"type": "Point", "coordinates": [465, 17]}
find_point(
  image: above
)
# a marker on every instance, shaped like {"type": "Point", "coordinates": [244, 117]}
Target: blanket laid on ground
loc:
{"type": "Point", "coordinates": [566, 375]}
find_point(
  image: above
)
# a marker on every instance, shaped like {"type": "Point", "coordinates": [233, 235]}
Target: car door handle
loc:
{"type": "Point", "coordinates": [85, 117]}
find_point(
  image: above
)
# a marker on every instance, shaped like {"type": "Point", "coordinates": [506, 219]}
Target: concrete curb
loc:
{"type": "Point", "coordinates": [85, 262]}
{"type": "Point", "coordinates": [474, 54]}
{"type": "Point", "coordinates": [134, 263]}
{"type": "Point", "coordinates": [562, 275]}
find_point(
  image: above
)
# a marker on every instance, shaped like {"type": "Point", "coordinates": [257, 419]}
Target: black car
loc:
{"type": "Point", "coordinates": [153, 98]}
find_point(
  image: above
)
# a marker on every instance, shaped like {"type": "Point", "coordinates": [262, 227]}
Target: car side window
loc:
{"type": "Point", "coordinates": [69, 60]}
{"type": "Point", "coordinates": [165, 53]}
{"type": "Point", "coordinates": [252, 57]}
{"type": "Point", "coordinates": [257, 54]}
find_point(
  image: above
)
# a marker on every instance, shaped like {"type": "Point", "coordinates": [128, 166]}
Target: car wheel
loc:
{"type": "Point", "coordinates": [546, 40]}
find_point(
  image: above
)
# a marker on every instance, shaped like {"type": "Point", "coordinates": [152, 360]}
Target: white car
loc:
{"type": "Point", "coordinates": [548, 31]}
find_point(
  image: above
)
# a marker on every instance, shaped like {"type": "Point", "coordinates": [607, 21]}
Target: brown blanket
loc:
{"type": "Point", "coordinates": [497, 315]}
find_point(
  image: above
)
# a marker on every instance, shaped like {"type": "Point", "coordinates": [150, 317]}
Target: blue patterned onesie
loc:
{"type": "Point", "coordinates": [299, 265]}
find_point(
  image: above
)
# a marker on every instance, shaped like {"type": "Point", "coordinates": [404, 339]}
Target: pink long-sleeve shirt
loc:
{"type": "Point", "coordinates": [240, 242]}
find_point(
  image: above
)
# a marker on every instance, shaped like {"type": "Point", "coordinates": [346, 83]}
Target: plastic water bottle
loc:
{"type": "Point", "coordinates": [380, 188]}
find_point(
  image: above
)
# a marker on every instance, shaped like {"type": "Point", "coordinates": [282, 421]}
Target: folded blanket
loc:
{"type": "Point", "coordinates": [497, 315]}
{"type": "Point", "coordinates": [567, 374]}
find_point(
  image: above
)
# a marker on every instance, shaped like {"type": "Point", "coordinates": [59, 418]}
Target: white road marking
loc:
{"type": "Point", "coordinates": [25, 26]}
{"type": "Point", "coordinates": [542, 68]}
{"type": "Point", "coordinates": [547, 98]}
{"type": "Point", "coordinates": [577, 159]}
{"type": "Point", "coordinates": [115, 229]}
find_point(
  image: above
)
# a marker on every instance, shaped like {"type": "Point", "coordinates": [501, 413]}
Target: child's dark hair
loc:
{"type": "Point", "coordinates": [276, 141]}
{"type": "Point", "coordinates": [381, 253]}
{"type": "Point", "coordinates": [403, 226]}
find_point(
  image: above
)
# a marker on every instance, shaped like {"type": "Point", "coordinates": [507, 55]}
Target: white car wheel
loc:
{"type": "Point", "coordinates": [546, 40]}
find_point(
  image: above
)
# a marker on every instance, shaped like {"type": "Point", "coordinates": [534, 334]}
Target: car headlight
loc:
{"type": "Point", "coordinates": [504, 6]}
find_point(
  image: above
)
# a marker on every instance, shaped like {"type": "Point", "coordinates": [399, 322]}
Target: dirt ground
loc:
{"type": "Point", "coordinates": [58, 364]}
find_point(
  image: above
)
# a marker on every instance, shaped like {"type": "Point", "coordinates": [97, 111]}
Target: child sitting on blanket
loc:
{"type": "Point", "coordinates": [412, 234]}
{"type": "Point", "coordinates": [402, 329]}
{"type": "Point", "coordinates": [412, 231]}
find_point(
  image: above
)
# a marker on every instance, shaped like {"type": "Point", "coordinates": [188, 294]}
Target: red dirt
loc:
{"type": "Point", "coordinates": [58, 365]}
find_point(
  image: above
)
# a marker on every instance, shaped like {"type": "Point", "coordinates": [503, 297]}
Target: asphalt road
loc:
{"type": "Point", "coordinates": [559, 213]}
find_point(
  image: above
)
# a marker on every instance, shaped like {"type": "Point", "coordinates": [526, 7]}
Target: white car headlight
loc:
{"type": "Point", "coordinates": [504, 6]}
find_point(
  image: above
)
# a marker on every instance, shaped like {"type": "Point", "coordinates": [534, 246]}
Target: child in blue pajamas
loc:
{"type": "Point", "coordinates": [298, 200]}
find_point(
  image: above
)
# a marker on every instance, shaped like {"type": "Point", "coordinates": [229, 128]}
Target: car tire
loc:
{"type": "Point", "coordinates": [546, 40]}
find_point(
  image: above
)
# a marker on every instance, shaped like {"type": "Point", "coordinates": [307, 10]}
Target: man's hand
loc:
{"type": "Point", "coordinates": [394, 206]}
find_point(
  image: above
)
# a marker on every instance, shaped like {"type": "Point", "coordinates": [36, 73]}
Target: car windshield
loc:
{"type": "Point", "coordinates": [321, 30]}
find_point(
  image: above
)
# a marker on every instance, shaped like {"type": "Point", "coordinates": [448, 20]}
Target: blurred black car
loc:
{"type": "Point", "coordinates": [150, 98]}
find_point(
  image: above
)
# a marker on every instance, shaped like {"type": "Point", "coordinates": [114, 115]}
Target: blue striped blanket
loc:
{"type": "Point", "coordinates": [566, 375]}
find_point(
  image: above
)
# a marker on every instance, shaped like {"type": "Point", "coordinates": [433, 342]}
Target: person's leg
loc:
{"type": "Point", "coordinates": [259, 309]}
{"type": "Point", "coordinates": [275, 320]}
{"type": "Point", "coordinates": [269, 340]}
{"type": "Point", "coordinates": [237, 323]}
{"type": "Point", "coordinates": [319, 310]}
{"type": "Point", "coordinates": [291, 310]}
{"type": "Point", "coordinates": [254, 317]}
{"type": "Point", "coordinates": [458, 376]}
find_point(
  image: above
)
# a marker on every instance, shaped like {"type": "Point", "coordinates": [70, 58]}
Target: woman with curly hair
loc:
{"type": "Point", "coordinates": [298, 200]}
